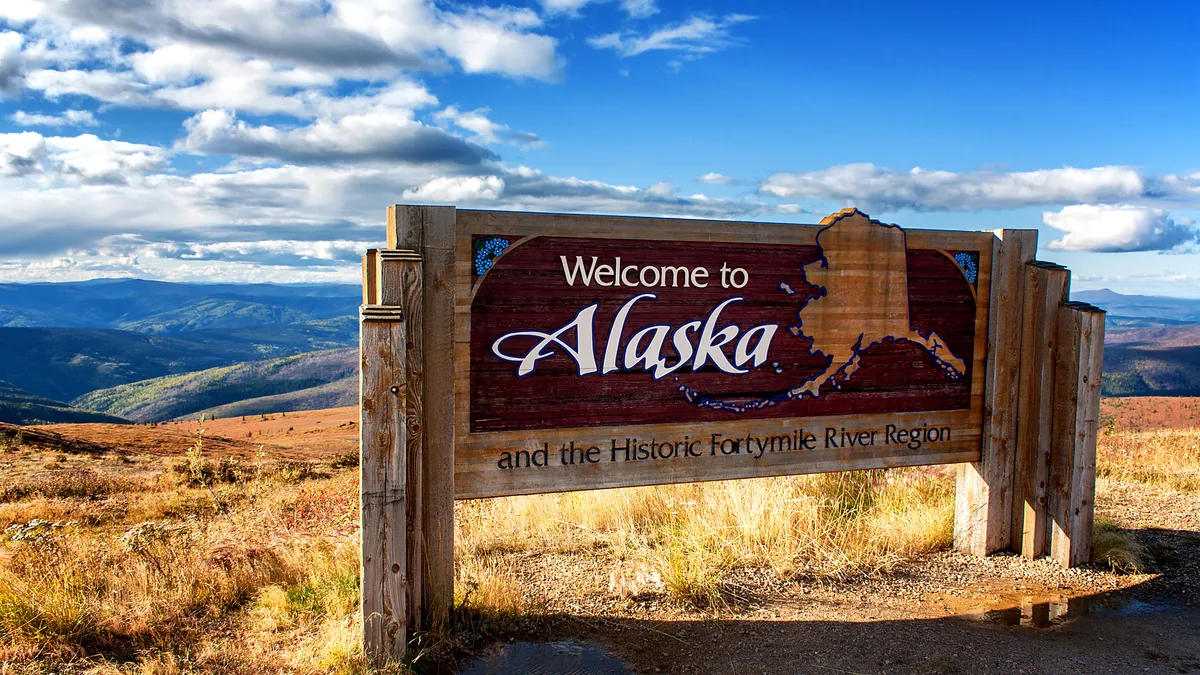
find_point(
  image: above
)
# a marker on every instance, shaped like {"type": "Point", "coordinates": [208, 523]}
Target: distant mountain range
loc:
{"type": "Point", "coordinates": [1142, 311]}
{"type": "Point", "coordinates": [18, 406]}
{"type": "Point", "coordinates": [162, 308]}
{"type": "Point", "coordinates": [298, 382]}
{"type": "Point", "coordinates": [1151, 344]}
{"type": "Point", "coordinates": [111, 350]}
{"type": "Point", "coordinates": [62, 342]}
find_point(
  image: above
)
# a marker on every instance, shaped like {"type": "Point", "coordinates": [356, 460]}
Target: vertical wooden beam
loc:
{"type": "Point", "coordinates": [382, 466]}
{"type": "Point", "coordinates": [1046, 287]}
{"type": "Point", "coordinates": [401, 282]}
{"type": "Point", "coordinates": [984, 497]}
{"type": "Point", "coordinates": [431, 230]}
{"type": "Point", "coordinates": [370, 271]}
{"type": "Point", "coordinates": [1072, 484]}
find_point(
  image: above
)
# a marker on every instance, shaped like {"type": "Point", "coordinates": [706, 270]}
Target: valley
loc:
{"type": "Point", "coordinates": [142, 351]}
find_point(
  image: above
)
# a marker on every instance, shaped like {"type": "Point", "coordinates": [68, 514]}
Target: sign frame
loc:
{"type": "Point", "coordinates": [1025, 482]}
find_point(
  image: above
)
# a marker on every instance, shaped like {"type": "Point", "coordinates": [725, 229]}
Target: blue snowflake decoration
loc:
{"type": "Point", "coordinates": [969, 263]}
{"type": "Point", "coordinates": [486, 252]}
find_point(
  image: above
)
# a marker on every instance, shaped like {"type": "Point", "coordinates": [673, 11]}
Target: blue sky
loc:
{"type": "Point", "coordinates": [261, 140]}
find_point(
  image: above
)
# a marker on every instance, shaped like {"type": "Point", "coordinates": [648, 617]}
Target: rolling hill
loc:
{"type": "Point", "coordinates": [1151, 343]}
{"type": "Point", "coordinates": [60, 341]}
{"type": "Point", "coordinates": [63, 363]}
{"type": "Point", "coordinates": [1142, 310]}
{"type": "Point", "coordinates": [336, 394]}
{"type": "Point", "coordinates": [1144, 361]}
{"type": "Point", "coordinates": [18, 406]}
{"type": "Point", "coordinates": [168, 308]}
{"type": "Point", "coordinates": [301, 381]}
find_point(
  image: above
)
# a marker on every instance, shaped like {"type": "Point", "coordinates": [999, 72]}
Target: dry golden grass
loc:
{"type": "Point", "coordinates": [826, 526]}
{"type": "Point", "coordinates": [1167, 458]}
{"type": "Point", "coordinates": [126, 565]}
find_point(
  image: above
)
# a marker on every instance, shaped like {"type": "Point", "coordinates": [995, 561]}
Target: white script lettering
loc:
{"type": "Point", "coordinates": [645, 346]}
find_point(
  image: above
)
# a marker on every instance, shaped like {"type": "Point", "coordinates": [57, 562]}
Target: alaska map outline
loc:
{"type": "Point", "coordinates": [862, 270]}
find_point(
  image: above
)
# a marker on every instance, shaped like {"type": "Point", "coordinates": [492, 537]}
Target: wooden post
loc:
{"type": "Point", "coordinates": [401, 279]}
{"type": "Point", "coordinates": [431, 231]}
{"type": "Point", "coordinates": [383, 466]}
{"type": "Point", "coordinates": [1076, 421]}
{"type": "Point", "coordinates": [1046, 287]}
{"type": "Point", "coordinates": [984, 496]}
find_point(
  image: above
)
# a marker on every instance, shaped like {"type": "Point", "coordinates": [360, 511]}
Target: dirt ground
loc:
{"type": "Point", "coordinates": [1145, 413]}
{"type": "Point", "coordinates": [310, 434]}
{"type": "Point", "coordinates": [939, 613]}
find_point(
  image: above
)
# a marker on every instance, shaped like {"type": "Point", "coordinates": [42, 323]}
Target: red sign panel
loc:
{"type": "Point", "coordinates": [573, 333]}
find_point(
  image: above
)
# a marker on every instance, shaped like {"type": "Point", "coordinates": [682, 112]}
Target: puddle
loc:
{"type": "Point", "coordinates": [1043, 612]}
{"type": "Point", "coordinates": [568, 657]}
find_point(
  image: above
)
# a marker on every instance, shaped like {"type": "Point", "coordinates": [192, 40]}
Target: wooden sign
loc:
{"type": "Point", "coordinates": [635, 353]}
{"type": "Point", "coordinates": [517, 353]}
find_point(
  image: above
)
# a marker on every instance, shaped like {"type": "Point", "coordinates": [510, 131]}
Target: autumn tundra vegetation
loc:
{"type": "Point", "coordinates": [124, 559]}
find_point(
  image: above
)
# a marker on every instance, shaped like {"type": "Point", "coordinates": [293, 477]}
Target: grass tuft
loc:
{"type": "Point", "coordinates": [828, 526]}
{"type": "Point", "coordinates": [1117, 549]}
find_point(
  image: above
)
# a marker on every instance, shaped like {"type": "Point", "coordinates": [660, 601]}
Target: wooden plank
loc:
{"type": "Point", "coordinates": [370, 270]}
{"type": "Point", "coordinates": [1072, 484]}
{"type": "Point", "coordinates": [382, 464]}
{"type": "Point", "coordinates": [401, 277]}
{"type": "Point", "coordinates": [430, 230]}
{"type": "Point", "coordinates": [689, 452]}
{"type": "Point", "coordinates": [520, 224]}
{"type": "Point", "coordinates": [1046, 287]}
{"type": "Point", "coordinates": [984, 497]}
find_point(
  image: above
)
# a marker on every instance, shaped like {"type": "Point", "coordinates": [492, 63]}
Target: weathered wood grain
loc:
{"type": "Point", "coordinates": [1046, 287]}
{"type": "Point", "coordinates": [984, 497]}
{"type": "Point", "coordinates": [430, 230]}
{"type": "Point", "coordinates": [477, 473]}
{"type": "Point", "coordinates": [383, 474]}
{"type": "Point", "coordinates": [1072, 483]}
{"type": "Point", "coordinates": [370, 272]}
{"type": "Point", "coordinates": [527, 224]}
{"type": "Point", "coordinates": [401, 276]}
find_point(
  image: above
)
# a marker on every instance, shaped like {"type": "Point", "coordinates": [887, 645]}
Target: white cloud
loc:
{"type": "Point", "coordinates": [639, 9]}
{"type": "Point", "coordinates": [475, 121]}
{"type": "Point", "coordinates": [12, 63]}
{"type": "Point", "coordinates": [377, 135]}
{"type": "Point", "coordinates": [20, 11]}
{"type": "Point", "coordinates": [1111, 229]}
{"type": "Point", "coordinates": [270, 251]}
{"type": "Point", "coordinates": [636, 9]}
{"type": "Point", "coordinates": [493, 41]}
{"type": "Point", "coordinates": [713, 178]}
{"type": "Point", "coordinates": [697, 35]}
{"type": "Point", "coordinates": [82, 159]}
{"type": "Point", "coordinates": [294, 203]}
{"type": "Point", "coordinates": [82, 268]}
{"type": "Point", "coordinates": [334, 34]}
{"type": "Point", "coordinates": [1185, 186]}
{"type": "Point", "coordinates": [257, 56]}
{"type": "Point", "coordinates": [118, 87]}
{"type": "Point", "coordinates": [876, 188]}
{"type": "Point", "coordinates": [485, 130]}
{"type": "Point", "coordinates": [198, 77]}
{"type": "Point", "coordinates": [457, 190]}
{"type": "Point", "coordinates": [568, 7]}
{"type": "Point", "coordinates": [67, 118]}
{"type": "Point", "coordinates": [522, 188]}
